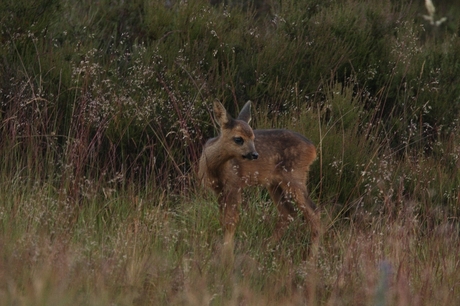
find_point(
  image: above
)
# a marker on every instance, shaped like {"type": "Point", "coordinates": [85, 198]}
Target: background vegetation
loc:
{"type": "Point", "coordinates": [105, 106]}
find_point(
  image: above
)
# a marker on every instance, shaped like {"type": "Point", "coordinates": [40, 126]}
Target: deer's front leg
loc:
{"type": "Point", "coordinates": [229, 202]}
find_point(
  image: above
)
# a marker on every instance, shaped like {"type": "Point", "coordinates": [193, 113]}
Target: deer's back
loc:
{"type": "Point", "coordinates": [283, 156]}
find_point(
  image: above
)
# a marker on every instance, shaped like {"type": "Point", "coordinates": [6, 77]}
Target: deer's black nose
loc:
{"type": "Point", "coordinates": [251, 156]}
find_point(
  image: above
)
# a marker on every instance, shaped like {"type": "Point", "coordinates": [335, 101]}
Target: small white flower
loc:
{"type": "Point", "coordinates": [440, 21]}
{"type": "Point", "coordinates": [431, 11]}
{"type": "Point", "coordinates": [430, 7]}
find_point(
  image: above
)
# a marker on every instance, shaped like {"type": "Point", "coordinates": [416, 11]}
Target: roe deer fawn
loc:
{"type": "Point", "coordinates": [230, 162]}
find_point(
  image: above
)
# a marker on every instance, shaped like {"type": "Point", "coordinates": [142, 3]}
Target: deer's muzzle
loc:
{"type": "Point", "coordinates": [251, 156]}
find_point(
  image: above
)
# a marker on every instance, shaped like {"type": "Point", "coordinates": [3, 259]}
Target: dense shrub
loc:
{"type": "Point", "coordinates": [115, 88]}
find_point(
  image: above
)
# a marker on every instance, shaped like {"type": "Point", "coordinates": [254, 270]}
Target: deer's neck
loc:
{"type": "Point", "coordinates": [214, 156]}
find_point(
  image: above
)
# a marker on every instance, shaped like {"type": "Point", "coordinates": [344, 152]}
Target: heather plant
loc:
{"type": "Point", "coordinates": [141, 86]}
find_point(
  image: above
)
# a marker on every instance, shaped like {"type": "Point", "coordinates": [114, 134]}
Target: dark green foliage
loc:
{"type": "Point", "coordinates": [96, 89]}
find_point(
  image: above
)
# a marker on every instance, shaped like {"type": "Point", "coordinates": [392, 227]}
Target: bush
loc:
{"type": "Point", "coordinates": [103, 89]}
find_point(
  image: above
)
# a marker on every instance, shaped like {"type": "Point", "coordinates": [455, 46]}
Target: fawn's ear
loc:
{"type": "Point", "coordinates": [245, 113]}
{"type": "Point", "coordinates": [220, 114]}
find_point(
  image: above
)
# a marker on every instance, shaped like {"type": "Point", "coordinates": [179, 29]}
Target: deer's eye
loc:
{"type": "Point", "coordinates": [238, 140]}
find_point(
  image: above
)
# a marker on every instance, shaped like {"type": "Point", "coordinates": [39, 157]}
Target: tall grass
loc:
{"type": "Point", "coordinates": [105, 106]}
{"type": "Point", "coordinates": [131, 249]}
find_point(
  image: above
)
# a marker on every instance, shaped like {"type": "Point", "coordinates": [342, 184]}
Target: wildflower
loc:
{"type": "Point", "coordinates": [431, 11]}
{"type": "Point", "coordinates": [430, 8]}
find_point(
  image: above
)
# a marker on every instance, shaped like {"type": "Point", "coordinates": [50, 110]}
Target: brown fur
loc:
{"type": "Point", "coordinates": [284, 158]}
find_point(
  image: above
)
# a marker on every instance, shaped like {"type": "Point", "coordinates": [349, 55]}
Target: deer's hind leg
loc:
{"type": "Point", "coordinates": [308, 208]}
{"type": "Point", "coordinates": [286, 209]}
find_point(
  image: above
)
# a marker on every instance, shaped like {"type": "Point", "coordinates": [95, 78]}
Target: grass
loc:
{"type": "Point", "coordinates": [104, 109]}
{"type": "Point", "coordinates": [130, 249]}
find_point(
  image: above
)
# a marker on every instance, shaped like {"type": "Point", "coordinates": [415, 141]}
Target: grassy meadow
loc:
{"type": "Point", "coordinates": [105, 106]}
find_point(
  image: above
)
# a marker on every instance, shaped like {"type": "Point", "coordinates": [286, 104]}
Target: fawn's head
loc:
{"type": "Point", "coordinates": [236, 134]}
